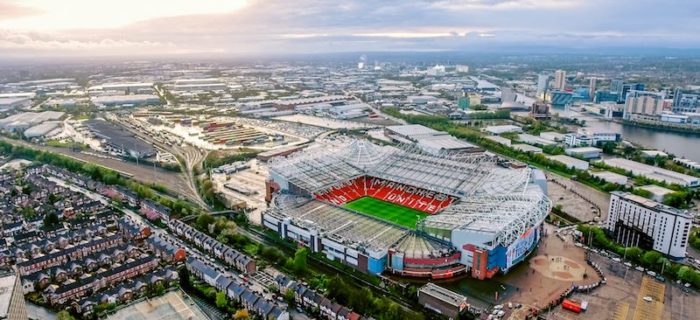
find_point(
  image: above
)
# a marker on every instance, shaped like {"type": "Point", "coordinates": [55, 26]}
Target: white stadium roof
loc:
{"type": "Point", "coordinates": [492, 199]}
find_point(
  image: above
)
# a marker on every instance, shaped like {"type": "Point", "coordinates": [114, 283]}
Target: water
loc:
{"type": "Point", "coordinates": [680, 144]}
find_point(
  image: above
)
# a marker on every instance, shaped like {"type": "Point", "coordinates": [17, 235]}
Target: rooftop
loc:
{"type": "Point", "coordinates": [443, 294]}
{"type": "Point", "coordinates": [411, 130]}
{"type": "Point", "coordinates": [651, 204]}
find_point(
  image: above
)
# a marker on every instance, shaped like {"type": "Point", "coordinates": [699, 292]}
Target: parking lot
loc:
{"type": "Point", "coordinates": [622, 297]}
{"type": "Point", "coordinates": [172, 306]}
{"type": "Point", "coordinates": [578, 200]}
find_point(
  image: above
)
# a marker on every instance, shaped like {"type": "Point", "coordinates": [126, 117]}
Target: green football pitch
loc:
{"type": "Point", "coordinates": [387, 211]}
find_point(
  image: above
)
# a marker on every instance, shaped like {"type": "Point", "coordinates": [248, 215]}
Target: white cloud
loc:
{"type": "Point", "coordinates": [29, 41]}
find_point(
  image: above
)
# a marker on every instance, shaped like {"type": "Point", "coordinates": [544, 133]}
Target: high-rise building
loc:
{"type": "Point", "coordinates": [643, 103]}
{"type": "Point", "coordinates": [616, 86]}
{"type": "Point", "coordinates": [622, 88]}
{"type": "Point", "coordinates": [560, 80]}
{"type": "Point", "coordinates": [591, 88]}
{"type": "Point", "coordinates": [685, 102]}
{"type": "Point", "coordinates": [635, 221]}
{"type": "Point", "coordinates": [542, 80]}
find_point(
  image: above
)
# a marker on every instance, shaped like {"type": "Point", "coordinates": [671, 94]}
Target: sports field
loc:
{"type": "Point", "coordinates": [387, 211]}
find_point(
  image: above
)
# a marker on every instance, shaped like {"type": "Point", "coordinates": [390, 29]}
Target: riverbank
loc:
{"type": "Point", "coordinates": [662, 127]}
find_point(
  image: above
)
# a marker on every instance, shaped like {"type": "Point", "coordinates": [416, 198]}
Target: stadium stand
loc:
{"type": "Point", "coordinates": [397, 193]}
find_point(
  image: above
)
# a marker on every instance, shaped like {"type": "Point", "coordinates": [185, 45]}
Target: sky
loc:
{"type": "Point", "coordinates": [43, 28]}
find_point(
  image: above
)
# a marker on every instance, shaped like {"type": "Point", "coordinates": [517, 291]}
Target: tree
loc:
{"type": "Point", "coordinates": [633, 253]}
{"type": "Point", "coordinates": [204, 220]}
{"type": "Point", "coordinates": [685, 274]}
{"type": "Point", "coordinates": [651, 258]}
{"type": "Point", "coordinates": [184, 277]}
{"type": "Point", "coordinates": [664, 262]}
{"type": "Point", "coordinates": [64, 315]}
{"type": "Point", "coordinates": [221, 300]}
{"type": "Point", "coordinates": [158, 289]}
{"type": "Point", "coordinates": [50, 220]}
{"type": "Point", "coordinates": [289, 296]}
{"type": "Point", "coordinates": [300, 260]}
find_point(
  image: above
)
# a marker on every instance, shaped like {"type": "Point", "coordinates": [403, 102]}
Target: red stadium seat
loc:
{"type": "Point", "coordinates": [385, 190]}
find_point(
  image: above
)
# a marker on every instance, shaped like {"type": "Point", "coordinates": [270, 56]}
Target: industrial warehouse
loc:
{"type": "Point", "coordinates": [429, 215]}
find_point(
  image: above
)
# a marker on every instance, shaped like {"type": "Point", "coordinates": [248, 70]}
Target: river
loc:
{"type": "Point", "coordinates": [680, 144]}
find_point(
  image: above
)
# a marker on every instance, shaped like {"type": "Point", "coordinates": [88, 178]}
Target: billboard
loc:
{"type": "Point", "coordinates": [518, 249]}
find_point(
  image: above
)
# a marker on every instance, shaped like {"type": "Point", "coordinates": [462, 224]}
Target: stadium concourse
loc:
{"type": "Point", "coordinates": [465, 212]}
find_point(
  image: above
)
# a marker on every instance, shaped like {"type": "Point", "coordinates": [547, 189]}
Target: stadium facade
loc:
{"type": "Point", "coordinates": [484, 215]}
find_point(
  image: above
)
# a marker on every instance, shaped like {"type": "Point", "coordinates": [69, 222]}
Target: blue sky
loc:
{"type": "Point", "coordinates": [180, 27]}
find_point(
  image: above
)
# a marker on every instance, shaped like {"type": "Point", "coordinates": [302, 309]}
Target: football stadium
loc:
{"type": "Point", "coordinates": [408, 211]}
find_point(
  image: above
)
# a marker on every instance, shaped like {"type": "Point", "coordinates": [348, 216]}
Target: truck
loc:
{"type": "Point", "coordinates": [574, 305]}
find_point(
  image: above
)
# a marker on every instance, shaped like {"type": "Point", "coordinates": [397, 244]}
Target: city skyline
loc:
{"type": "Point", "coordinates": [166, 28]}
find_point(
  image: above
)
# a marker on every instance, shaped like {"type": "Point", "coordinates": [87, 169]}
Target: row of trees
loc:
{"type": "Point", "coordinates": [364, 300]}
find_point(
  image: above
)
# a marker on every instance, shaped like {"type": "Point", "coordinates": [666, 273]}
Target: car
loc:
{"type": "Point", "coordinates": [638, 268]}
{"type": "Point", "coordinates": [616, 259]}
{"type": "Point", "coordinates": [660, 278]}
{"type": "Point", "coordinates": [651, 273]}
{"type": "Point", "coordinates": [648, 299]}
{"type": "Point", "coordinates": [687, 285]}
{"type": "Point", "coordinates": [629, 265]}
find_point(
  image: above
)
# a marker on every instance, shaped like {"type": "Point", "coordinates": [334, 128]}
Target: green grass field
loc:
{"type": "Point", "coordinates": [387, 211]}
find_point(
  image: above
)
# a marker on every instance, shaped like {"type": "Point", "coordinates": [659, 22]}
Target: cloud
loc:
{"type": "Point", "coordinates": [302, 26]}
{"type": "Point", "coordinates": [35, 41]}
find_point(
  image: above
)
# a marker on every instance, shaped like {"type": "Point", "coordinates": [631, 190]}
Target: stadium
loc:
{"type": "Point", "coordinates": [407, 211]}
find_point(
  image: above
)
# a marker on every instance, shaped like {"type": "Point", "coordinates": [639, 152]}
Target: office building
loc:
{"type": "Point", "coordinates": [591, 88]}
{"type": "Point", "coordinates": [643, 103]}
{"type": "Point", "coordinates": [561, 98]}
{"type": "Point", "coordinates": [685, 102]}
{"type": "Point", "coordinates": [622, 89]}
{"type": "Point", "coordinates": [635, 221]}
{"type": "Point", "coordinates": [542, 81]}
{"type": "Point", "coordinates": [559, 80]}
{"type": "Point", "coordinates": [605, 96]}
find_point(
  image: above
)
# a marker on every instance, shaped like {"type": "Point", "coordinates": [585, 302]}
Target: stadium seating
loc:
{"type": "Point", "coordinates": [385, 190]}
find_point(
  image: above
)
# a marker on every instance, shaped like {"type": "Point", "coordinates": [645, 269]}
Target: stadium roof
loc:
{"type": "Point", "coordinates": [506, 216]}
{"type": "Point", "coordinates": [340, 224]}
{"type": "Point", "coordinates": [452, 173]}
